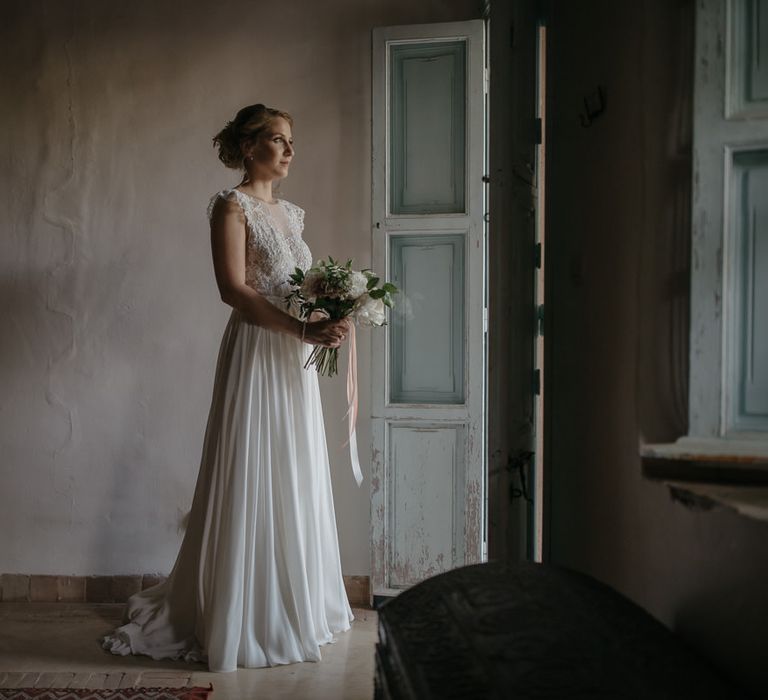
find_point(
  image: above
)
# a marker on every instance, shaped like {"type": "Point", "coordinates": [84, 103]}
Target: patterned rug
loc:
{"type": "Point", "coordinates": [108, 693]}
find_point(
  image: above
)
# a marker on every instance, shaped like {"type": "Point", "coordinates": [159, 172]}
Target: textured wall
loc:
{"type": "Point", "coordinates": [110, 316]}
{"type": "Point", "coordinates": [617, 268]}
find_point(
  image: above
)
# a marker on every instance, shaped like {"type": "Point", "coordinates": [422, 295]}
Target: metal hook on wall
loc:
{"type": "Point", "coordinates": [594, 106]}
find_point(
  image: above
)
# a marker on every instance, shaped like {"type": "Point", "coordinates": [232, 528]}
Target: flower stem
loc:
{"type": "Point", "coordinates": [324, 360]}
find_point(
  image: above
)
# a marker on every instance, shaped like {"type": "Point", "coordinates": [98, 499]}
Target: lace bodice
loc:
{"type": "Point", "coordinates": [272, 253]}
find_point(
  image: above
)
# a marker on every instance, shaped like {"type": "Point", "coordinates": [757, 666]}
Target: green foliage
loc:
{"type": "Point", "coordinates": [335, 281]}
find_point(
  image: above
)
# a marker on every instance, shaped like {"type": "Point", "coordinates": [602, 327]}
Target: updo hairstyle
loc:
{"type": "Point", "coordinates": [242, 130]}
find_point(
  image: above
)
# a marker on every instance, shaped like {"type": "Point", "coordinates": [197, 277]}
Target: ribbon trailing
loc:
{"type": "Point", "coordinates": [351, 413]}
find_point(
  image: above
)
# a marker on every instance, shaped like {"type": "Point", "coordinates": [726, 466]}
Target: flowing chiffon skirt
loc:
{"type": "Point", "coordinates": [257, 581]}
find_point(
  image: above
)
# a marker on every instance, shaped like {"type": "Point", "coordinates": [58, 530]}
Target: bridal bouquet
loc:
{"type": "Point", "coordinates": [338, 292]}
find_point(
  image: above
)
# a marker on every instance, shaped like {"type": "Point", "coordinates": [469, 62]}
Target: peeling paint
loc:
{"type": "Point", "coordinates": [473, 525]}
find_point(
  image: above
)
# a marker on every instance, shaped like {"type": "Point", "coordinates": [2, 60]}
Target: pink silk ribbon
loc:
{"type": "Point", "coordinates": [351, 413]}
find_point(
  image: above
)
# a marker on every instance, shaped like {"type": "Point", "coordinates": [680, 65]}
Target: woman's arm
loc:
{"type": "Point", "coordinates": [228, 237]}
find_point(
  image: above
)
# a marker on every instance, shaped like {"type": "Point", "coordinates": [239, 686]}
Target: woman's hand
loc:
{"type": "Point", "coordinates": [328, 333]}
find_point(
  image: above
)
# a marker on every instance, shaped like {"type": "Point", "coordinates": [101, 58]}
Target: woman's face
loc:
{"type": "Point", "coordinates": [272, 152]}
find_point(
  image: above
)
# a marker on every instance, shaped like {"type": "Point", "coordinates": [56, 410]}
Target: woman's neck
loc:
{"type": "Point", "coordinates": [261, 189]}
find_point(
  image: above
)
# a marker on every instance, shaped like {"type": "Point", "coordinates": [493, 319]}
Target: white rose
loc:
{"type": "Point", "coordinates": [358, 283]}
{"type": "Point", "coordinates": [370, 312]}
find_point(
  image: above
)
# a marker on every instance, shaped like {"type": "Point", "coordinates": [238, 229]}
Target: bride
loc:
{"type": "Point", "coordinates": [257, 580]}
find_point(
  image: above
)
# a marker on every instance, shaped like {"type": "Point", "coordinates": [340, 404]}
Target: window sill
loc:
{"type": "Point", "coordinates": [710, 460]}
{"type": "Point", "coordinates": [707, 473]}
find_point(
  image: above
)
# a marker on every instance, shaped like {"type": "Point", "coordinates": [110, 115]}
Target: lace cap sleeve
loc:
{"type": "Point", "coordinates": [232, 196]}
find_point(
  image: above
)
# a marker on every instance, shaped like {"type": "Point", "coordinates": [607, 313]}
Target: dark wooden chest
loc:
{"type": "Point", "coordinates": [531, 631]}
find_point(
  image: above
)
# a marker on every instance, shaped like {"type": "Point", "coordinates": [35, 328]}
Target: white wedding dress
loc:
{"type": "Point", "coordinates": [257, 581]}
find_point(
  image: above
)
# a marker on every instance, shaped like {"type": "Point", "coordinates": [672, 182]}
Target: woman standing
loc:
{"type": "Point", "coordinates": [257, 581]}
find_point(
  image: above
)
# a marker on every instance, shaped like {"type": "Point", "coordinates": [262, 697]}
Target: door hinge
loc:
{"type": "Point", "coordinates": [540, 319]}
{"type": "Point", "coordinates": [485, 319]}
{"type": "Point", "coordinates": [537, 382]}
{"type": "Point", "coordinates": [537, 256]}
{"type": "Point", "coordinates": [537, 129]}
{"type": "Point", "coordinates": [485, 80]}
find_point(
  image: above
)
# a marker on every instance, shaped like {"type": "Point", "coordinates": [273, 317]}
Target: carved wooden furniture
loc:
{"type": "Point", "coordinates": [531, 631]}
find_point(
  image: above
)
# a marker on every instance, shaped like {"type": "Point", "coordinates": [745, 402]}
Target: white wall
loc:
{"type": "Point", "coordinates": [110, 316]}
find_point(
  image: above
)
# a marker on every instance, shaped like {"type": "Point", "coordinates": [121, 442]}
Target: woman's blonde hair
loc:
{"type": "Point", "coordinates": [245, 128]}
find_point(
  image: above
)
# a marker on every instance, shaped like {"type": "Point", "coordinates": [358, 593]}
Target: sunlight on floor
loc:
{"type": "Point", "coordinates": [57, 639]}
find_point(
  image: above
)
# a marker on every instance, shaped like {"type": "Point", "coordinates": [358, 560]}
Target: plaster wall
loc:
{"type": "Point", "coordinates": [618, 252]}
{"type": "Point", "coordinates": [110, 316]}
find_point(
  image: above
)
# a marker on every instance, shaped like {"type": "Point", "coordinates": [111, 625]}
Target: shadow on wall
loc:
{"type": "Point", "coordinates": [717, 608]}
{"type": "Point", "coordinates": [664, 250]}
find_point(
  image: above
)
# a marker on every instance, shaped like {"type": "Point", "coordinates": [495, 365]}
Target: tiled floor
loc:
{"type": "Point", "coordinates": [56, 644]}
